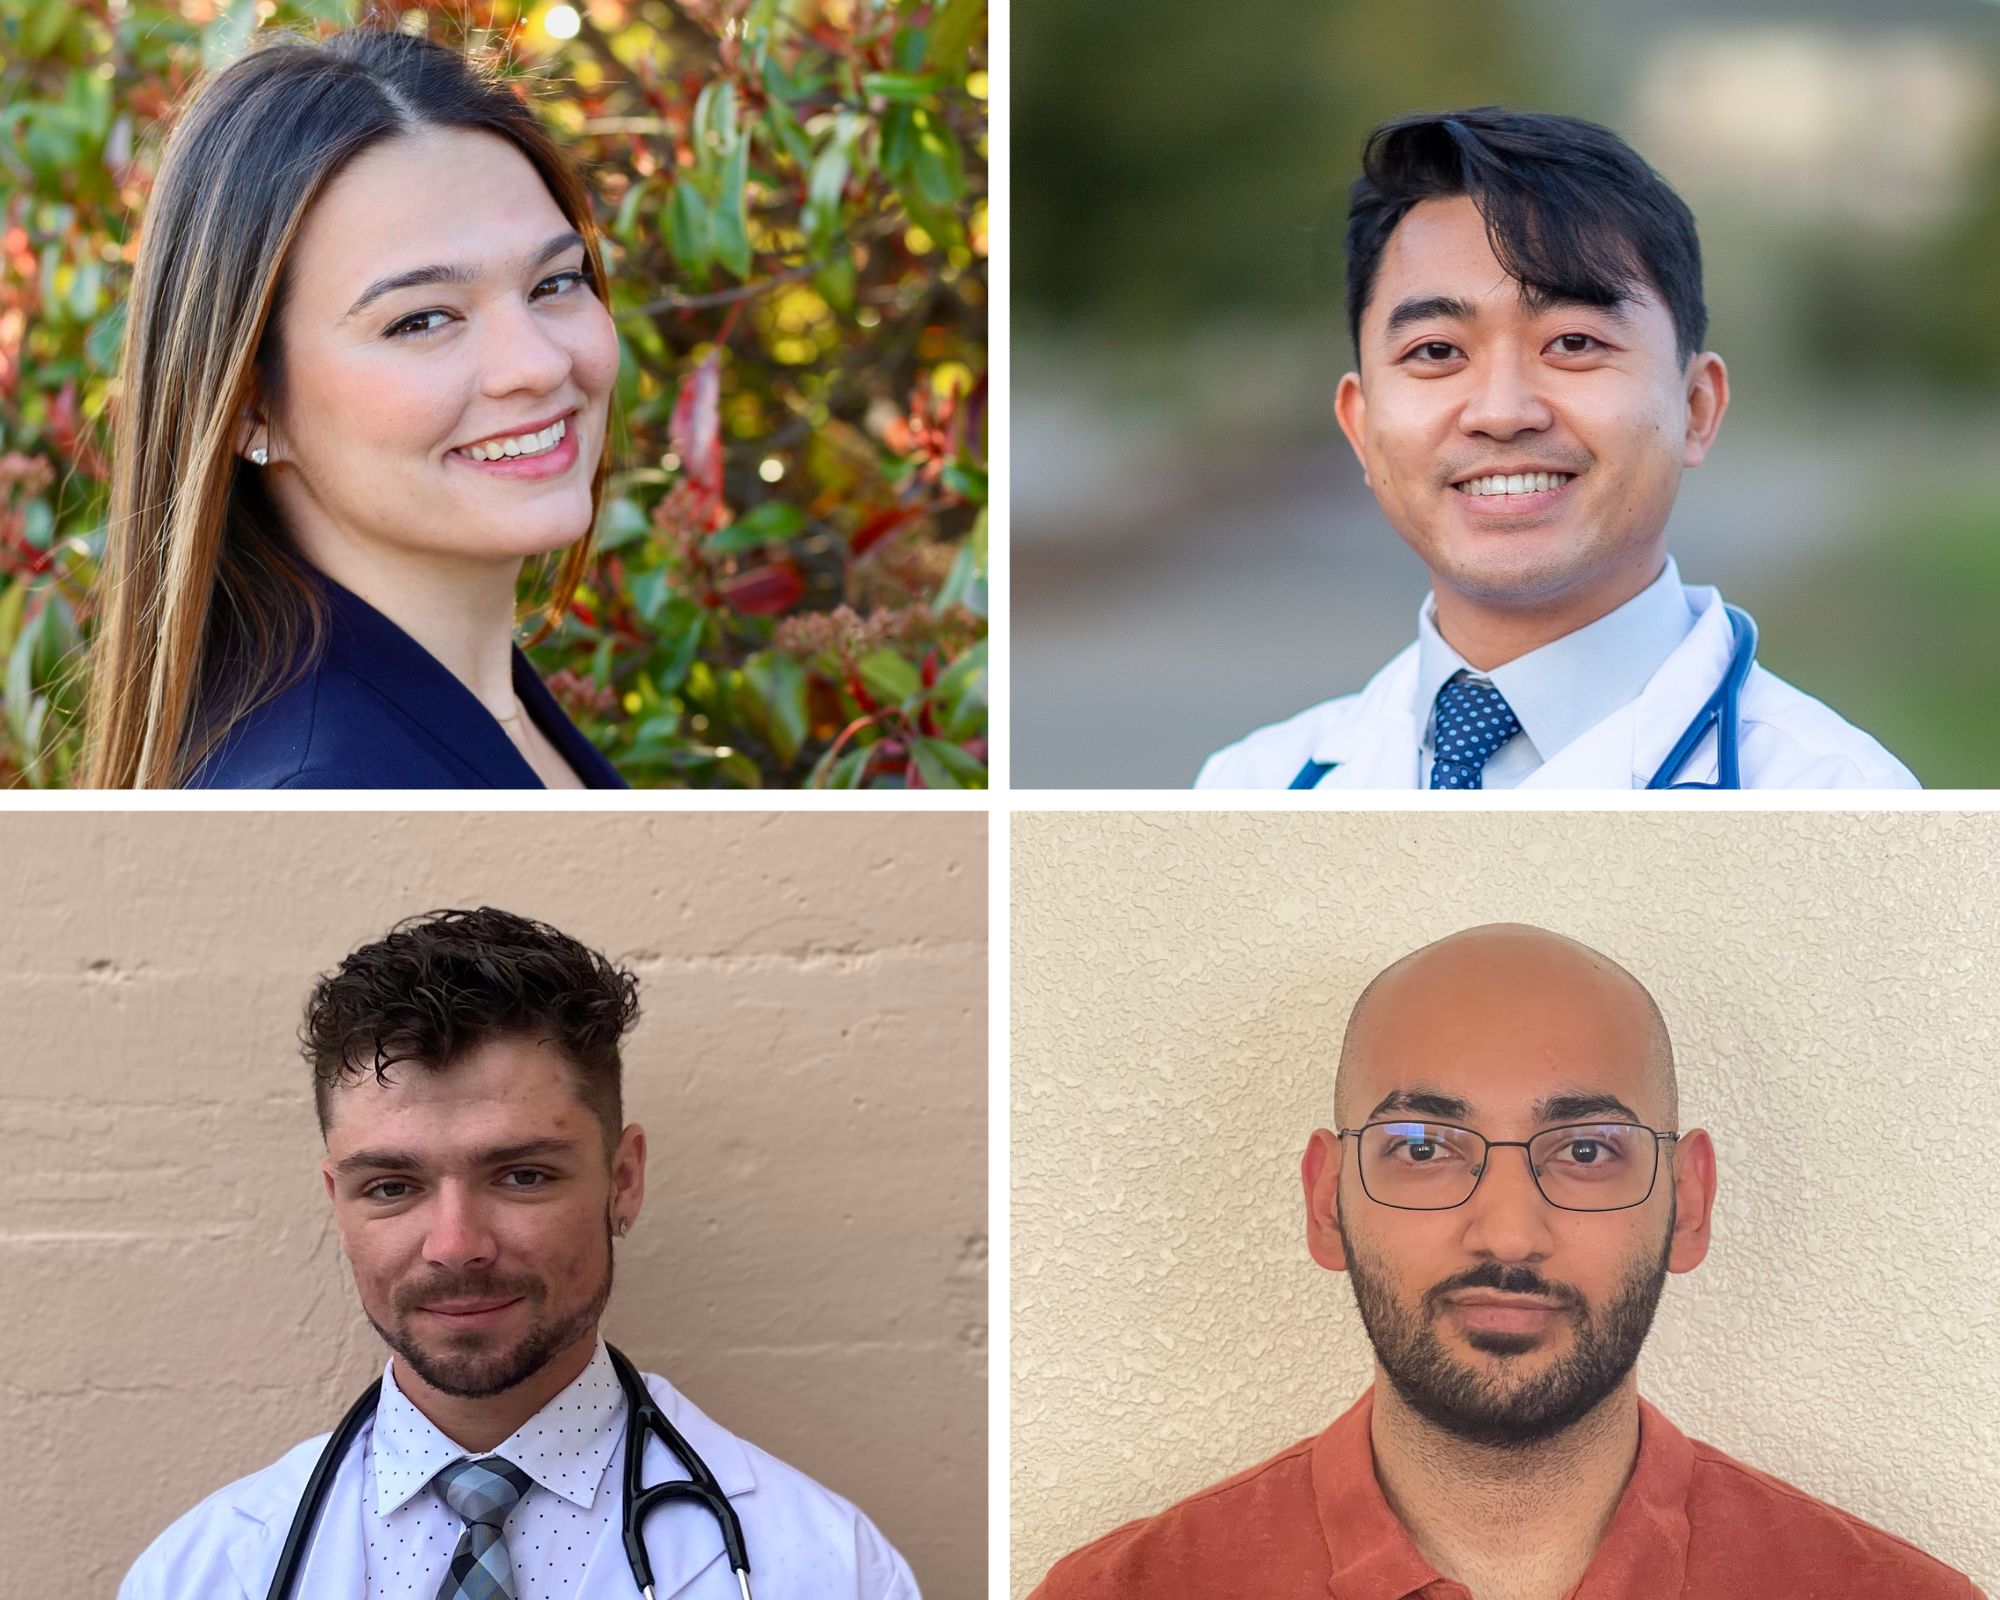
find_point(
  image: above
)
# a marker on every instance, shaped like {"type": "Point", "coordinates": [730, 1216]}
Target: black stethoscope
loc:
{"type": "Point", "coordinates": [642, 1417]}
{"type": "Point", "coordinates": [1721, 711]}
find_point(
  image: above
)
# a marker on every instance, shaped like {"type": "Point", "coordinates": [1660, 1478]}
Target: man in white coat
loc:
{"type": "Point", "coordinates": [1524, 295]}
{"type": "Point", "coordinates": [467, 1078]}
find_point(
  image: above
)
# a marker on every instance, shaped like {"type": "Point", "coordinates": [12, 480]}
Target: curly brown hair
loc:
{"type": "Point", "coordinates": [439, 985]}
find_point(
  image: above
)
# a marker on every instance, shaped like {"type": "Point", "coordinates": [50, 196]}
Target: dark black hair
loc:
{"type": "Point", "coordinates": [1571, 210]}
{"type": "Point", "coordinates": [442, 984]}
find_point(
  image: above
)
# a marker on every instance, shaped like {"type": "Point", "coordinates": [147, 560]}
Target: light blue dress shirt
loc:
{"type": "Point", "coordinates": [566, 1448]}
{"type": "Point", "coordinates": [1569, 685]}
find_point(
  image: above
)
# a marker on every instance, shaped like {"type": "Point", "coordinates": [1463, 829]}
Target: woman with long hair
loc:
{"type": "Point", "coordinates": [367, 375]}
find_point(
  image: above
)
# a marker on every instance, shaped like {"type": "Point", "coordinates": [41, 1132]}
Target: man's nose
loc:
{"type": "Point", "coordinates": [1507, 1219]}
{"type": "Point", "coordinates": [1505, 398]}
{"type": "Point", "coordinates": [459, 1234]}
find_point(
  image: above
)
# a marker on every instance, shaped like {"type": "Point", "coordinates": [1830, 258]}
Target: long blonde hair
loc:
{"type": "Point", "coordinates": [205, 609]}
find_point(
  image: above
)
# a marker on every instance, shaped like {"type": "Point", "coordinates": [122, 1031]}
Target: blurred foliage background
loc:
{"type": "Point", "coordinates": [791, 585]}
{"type": "Point", "coordinates": [1194, 552]}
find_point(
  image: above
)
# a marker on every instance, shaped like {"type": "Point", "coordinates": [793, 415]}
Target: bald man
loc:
{"type": "Point", "coordinates": [1506, 1191]}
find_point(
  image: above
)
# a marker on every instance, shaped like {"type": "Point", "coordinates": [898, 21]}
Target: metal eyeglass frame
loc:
{"type": "Point", "coordinates": [1508, 1144]}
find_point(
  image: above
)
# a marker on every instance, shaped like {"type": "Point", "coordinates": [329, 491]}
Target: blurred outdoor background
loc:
{"type": "Point", "coordinates": [1194, 552]}
{"type": "Point", "coordinates": [791, 587]}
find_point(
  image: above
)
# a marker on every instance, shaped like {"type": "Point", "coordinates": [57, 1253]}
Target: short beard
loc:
{"type": "Point", "coordinates": [1474, 1408]}
{"type": "Point", "coordinates": [469, 1370]}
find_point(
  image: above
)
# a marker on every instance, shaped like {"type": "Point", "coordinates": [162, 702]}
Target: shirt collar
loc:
{"type": "Point", "coordinates": [1643, 1551]}
{"type": "Point", "coordinates": [1570, 684]}
{"type": "Point", "coordinates": [564, 1447]}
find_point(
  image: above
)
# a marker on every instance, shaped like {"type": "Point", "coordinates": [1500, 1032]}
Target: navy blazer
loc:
{"type": "Point", "coordinates": [379, 711]}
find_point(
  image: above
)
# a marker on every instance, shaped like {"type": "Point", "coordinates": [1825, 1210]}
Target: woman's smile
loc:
{"type": "Point", "coordinates": [546, 453]}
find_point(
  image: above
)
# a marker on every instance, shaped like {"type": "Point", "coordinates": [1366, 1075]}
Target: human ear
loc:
{"type": "Point", "coordinates": [1350, 410]}
{"type": "Point", "coordinates": [1319, 1173]}
{"type": "Point", "coordinates": [1694, 1200]}
{"type": "Point", "coordinates": [252, 429]}
{"type": "Point", "coordinates": [628, 1177]}
{"type": "Point", "coordinates": [1707, 399]}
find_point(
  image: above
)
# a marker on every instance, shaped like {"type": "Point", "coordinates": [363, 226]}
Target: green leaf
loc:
{"type": "Point", "coordinates": [778, 684]}
{"type": "Point", "coordinates": [909, 48]}
{"type": "Point", "coordinates": [965, 584]}
{"type": "Point", "coordinates": [848, 769]}
{"type": "Point", "coordinates": [13, 600]}
{"type": "Point", "coordinates": [964, 479]}
{"type": "Point", "coordinates": [901, 85]}
{"type": "Point", "coordinates": [828, 182]}
{"type": "Point", "coordinates": [792, 137]}
{"type": "Point", "coordinates": [772, 522]}
{"type": "Point", "coordinates": [650, 592]}
{"type": "Point", "coordinates": [688, 232]}
{"type": "Point", "coordinates": [945, 766]}
{"type": "Point", "coordinates": [628, 208]}
{"type": "Point", "coordinates": [953, 29]}
{"type": "Point", "coordinates": [965, 675]}
{"type": "Point", "coordinates": [680, 632]}
{"type": "Point", "coordinates": [623, 523]}
{"type": "Point", "coordinates": [729, 226]}
{"type": "Point", "coordinates": [836, 282]}
{"type": "Point", "coordinates": [888, 677]}
{"type": "Point", "coordinates": [105, 337]}
{"type": "Point", "coordinates": [21, 683]}
{"type": "Point", "coordinates": [938, 166]}
{"type": "Point", "coordinates": [715, 118]}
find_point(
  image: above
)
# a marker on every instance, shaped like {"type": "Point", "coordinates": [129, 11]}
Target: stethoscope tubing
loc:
{"type": "Point", "coordinates": [643, 1416]}
{"type": "Point", "coordinates": [1720, 711]}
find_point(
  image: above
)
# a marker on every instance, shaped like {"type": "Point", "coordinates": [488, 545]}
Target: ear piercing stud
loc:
{"type": "Point", "coordinates": [260, 455]}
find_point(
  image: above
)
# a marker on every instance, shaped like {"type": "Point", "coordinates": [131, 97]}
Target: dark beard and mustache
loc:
{"type": "Point", "coordinates": [469, 1370]}
{"type": "Point", "coordinates": [1477, 1409]}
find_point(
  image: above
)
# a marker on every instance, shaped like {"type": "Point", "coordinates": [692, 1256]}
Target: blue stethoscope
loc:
{"type": "Point", "coordinates": [1721, 711]}
{"type": "Point", "coordinates": [642, 1416]}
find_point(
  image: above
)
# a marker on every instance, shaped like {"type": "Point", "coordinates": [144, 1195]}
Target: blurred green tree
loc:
{"type": "Point", "coordinates": [791, 577]}
{"type": "Point", "coordinates": [1190, 161]}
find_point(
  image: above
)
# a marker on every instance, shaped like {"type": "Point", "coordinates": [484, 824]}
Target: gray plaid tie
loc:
{"type": "Point", "coordinates": [482, 1492]}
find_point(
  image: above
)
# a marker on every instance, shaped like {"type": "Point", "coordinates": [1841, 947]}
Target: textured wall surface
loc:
{"type": "Point", "coordinates": [810, 1068]}
{"type": "Point", "coordinates": [1833, 985]}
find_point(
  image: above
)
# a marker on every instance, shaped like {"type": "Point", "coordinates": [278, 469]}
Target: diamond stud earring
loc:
{"type": "Point", "coordinates": [260, 455]}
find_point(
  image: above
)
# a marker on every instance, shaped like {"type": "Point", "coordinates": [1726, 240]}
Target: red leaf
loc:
{"type": "Point", "coordinates": [764, 591]}
{"type": "Point", "coordinates": [880, 526]}
{"type": "Point", "coordinates": [696, 427]}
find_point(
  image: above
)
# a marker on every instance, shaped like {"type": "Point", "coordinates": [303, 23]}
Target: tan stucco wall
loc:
{"type": "Point", "coordinates": [1833, 985]}
{"type": "Point", "coordinates": [810, 1067]}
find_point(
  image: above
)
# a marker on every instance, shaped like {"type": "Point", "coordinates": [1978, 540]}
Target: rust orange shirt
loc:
{"type": "Point", "coordinates": [1693, 1524]}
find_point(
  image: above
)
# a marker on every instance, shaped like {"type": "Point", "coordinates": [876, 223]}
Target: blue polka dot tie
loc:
{"type": "Point", "coordinates": [1473, 720]}
{"type": "Point", "coordinates": [482, 1492]}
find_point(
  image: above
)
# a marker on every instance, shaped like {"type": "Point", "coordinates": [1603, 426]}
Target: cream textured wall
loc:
{"type": "Point", "coordinates": [810, 1068]}
{"type": "Point", "coordinates": [1833, 985]}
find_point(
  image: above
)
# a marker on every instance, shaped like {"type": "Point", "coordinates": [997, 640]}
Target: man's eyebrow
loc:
{"type": "Point", "coordinates": [1421, 1103]}
{"type": "Point", "coordinates": [451, 272]}
{"type": "Point", "coordinates": [1430, 308]}
{"type": "Point", "coordinates": [1449, 308]}
{"type": "Point", "coordinates": [1583, 1107]}
{"type": "Point", "coordinates": [497, 1156]}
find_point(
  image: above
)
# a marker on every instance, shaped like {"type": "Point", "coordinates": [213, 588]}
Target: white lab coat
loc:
{"type": "Point", "coordinates": [804, 1542]}
{"type": "Point", "coordinates": [1374, 738]}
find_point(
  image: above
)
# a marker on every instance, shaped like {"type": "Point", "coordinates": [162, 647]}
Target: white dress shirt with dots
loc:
{"type": "Point", "coordinates": [567, 1447]}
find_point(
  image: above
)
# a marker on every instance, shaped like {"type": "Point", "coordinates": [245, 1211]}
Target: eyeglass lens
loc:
{"type": "Point", "coordinates": [1431, 1166]}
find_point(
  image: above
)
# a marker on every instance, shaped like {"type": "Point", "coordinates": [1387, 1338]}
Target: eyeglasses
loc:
{"type": "Point", "coordinates": [1432, 1166]}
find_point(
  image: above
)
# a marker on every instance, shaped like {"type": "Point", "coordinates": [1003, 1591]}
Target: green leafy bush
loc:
{"type": "Point", "coordinates": [791, 580]}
